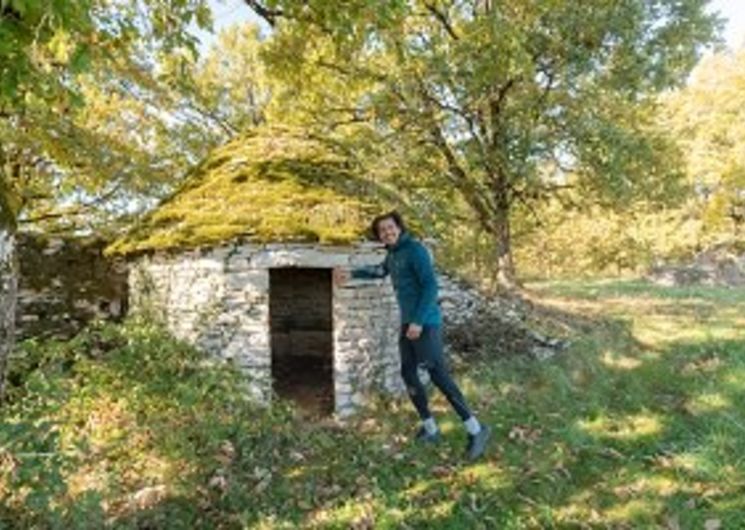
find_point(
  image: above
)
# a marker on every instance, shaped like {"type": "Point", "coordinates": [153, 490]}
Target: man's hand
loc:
{"type": "Point", "coordinates": [341, 276]}
{"type": "Point", "coordinates": [413, 331]}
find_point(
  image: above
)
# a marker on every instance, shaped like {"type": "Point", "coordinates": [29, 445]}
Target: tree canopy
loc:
{"type": "Point", "coordinates": [707, 119]}
{"type": "Point", "coordinates": [505, 102]}
{"type": "Point", "coordinates": [66, 65]}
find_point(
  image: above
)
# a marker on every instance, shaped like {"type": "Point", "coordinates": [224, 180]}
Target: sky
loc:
{"type": "Point", "coordinates": [229, 12]}
{"type": "Point", "coordinates": [734, 12]}
{"type": "Point", "coordinates": [226, 13]}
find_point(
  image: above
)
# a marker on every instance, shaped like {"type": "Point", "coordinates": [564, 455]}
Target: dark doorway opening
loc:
{"type": "Point", "coordinates": [300, 316]}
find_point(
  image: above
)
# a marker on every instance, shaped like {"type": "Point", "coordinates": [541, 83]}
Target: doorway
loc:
{"type": "Point", "coordinates": [301, 323]}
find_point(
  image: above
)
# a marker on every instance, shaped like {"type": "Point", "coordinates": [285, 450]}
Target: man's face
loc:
{"type": "Point", "coordinates": [388, 231]}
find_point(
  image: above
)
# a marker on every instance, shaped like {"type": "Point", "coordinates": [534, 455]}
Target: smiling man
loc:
{"type": "Point", "coordinates": [420, 339]}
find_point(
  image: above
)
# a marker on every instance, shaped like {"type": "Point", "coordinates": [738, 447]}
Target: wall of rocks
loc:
{"type": "Point", "coordinates": [720, 266]}
{"type": "Point", "coordinates": [475, 323]}
{"type": "Point", "coordinates": [64, 282]}
{"type": "Point", "coordinates": [8, 287]}
{"type": "Point", "coordinates": [218, 299]}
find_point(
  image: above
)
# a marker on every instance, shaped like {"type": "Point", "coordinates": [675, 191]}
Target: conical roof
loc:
{"type": "Point", "coordinates": [275, 185]}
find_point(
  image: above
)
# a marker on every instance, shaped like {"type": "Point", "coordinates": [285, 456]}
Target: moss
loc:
{"type": "Point", "coordinates": [9, 206]}
{"type": "Point", "coordinates": [276, 185]}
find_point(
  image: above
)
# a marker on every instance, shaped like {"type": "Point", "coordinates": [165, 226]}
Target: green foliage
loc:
{"type": "Point", "coordinates": [706, 119]}
{"type": "Point", "coordinates": [637, 425]}
{"type": "Point", "coordinates": [108, 413]}
{"type": "Point", "coordinates": [601, 242]}
{"type": "Point", "coordinates": [230, 84]}
{"type": "Point", "coordinates": [502, 102]}
{"type": "Point", "coordinates": [44, 41]}
{"type": "Point", "coordinates": [78, 83]}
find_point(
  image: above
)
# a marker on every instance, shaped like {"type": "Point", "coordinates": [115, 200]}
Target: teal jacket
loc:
{"type": "Point", "coordinates": [413, 277]}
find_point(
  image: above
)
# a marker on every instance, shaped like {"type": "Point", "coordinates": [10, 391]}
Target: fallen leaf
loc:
{"type": "Point", "coordinates": [440, 471]}
{"type": "Point", "coordinates": [218, 482]}
{"type": "Point", "coordinates": [263, 484]}
{"type": "Point", "coordinates": [369, 425]}
{"type": "Point", "coordinates": [365, 522]}
{"type": "Point", "coordinates": [227, 453]}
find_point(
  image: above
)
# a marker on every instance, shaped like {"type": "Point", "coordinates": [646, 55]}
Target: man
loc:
{"type": "Point", "coordinates": [420, 340]}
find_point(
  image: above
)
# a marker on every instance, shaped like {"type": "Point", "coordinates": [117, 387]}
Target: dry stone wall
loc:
{"type": "Point", "coordinates": [719, 266]}
{"type": "Point", "coordinates": [8, 287]}
{"type": "Point", "coordinates": [65, 282]}
{"type": "Point", "coordinates": [475, 323]}
{"type": "Point", "coordinates": [218, 299]}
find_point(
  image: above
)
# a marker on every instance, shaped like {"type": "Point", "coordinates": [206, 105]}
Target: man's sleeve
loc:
{"type": "Point", "coordinates": [371, 272]}
{"type": "Point", "coordinates": [425, 272]}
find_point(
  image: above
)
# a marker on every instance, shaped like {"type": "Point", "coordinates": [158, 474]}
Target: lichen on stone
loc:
{"type": "Point", "coordinates": [272, 185]}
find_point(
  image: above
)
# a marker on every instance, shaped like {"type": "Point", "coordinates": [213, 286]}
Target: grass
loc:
{"type": "Point", "coordinates": [640, 424]}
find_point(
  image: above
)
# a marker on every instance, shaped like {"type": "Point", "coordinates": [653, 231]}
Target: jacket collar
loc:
{"type": "Point", "coordinates": [404, 238]}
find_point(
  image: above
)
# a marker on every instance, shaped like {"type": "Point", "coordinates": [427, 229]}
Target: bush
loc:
{"type": "Point", "coordinates": [123, 422]}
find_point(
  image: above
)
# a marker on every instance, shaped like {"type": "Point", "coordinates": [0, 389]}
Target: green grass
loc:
{"type": "Point", "coordinates": [630, 288]}
{"type": "Point", "coordinates": [640, 424]}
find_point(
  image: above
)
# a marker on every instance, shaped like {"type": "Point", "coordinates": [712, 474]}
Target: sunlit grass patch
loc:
{"type": "Point", "coordinates": [625, 427]}
{"type": "Point", "coordinates": [359, 512]}
{"type": "Point", "coordinates": [614, 432]}
{"type": "Point", "coordinates": [708, 402]}
{"type": "Point", "coordinates": [631, 510]}
{"type": "Point", "coordinates": [619, 361]}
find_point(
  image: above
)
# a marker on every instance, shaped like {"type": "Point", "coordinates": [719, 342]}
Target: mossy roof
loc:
{"type": "Point", "coordinates": [268, 186]}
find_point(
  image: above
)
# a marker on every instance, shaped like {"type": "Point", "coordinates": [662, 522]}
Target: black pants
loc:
{"type": "Point", "coordinates": [427, 351]}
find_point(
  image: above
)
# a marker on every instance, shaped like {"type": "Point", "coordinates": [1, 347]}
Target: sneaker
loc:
{"type": "Point", "coordinates": [477, 443]}
{"type": "Point", "coordinates": [422, 436]}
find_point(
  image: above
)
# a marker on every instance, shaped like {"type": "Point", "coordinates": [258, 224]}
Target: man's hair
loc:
{"type": "Point", "coordinates": [390, 215]}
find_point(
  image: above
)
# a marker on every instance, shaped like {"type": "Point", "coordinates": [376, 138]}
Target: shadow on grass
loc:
{"type": "Point", "coordinates": [610, 434]}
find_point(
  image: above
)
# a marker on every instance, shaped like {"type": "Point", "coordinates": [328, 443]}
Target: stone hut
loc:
{"type": "Point", "coordinates": [239, 262]}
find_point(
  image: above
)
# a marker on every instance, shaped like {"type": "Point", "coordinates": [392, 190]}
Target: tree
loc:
{"type": "Point", "coordinates": [707, 119]}
{"type": "Point", "coordinates": [45, 47]}
{"type": "Point", "coordinates": [506, 102]}
{"type": "Point", "coordinates": [142, 125]}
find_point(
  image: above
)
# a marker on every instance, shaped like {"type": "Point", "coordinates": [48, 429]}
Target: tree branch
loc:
{"type": "Point", "coordinates": [265, 12]}
{"type": "Point", "coordinates": [443, 19]}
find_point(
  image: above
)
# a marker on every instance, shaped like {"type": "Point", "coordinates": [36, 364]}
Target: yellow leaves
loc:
{"type": "Point", "coordinates": [707, 119]}
{"type": "Point", "coordinates": [226, 454]}
{"type": "Point", "coordinates": [620, 361]}
{"type": "Point", "coordinates": [524, 434]}
{"type": "Point", "coordinates": [147, 497]}
{"type": "Point", "coordinates": [61, 46]}
{"type": "Point", "coordinates": [707, 402]}
{"type": "Point", "coordinates": [652, 485]}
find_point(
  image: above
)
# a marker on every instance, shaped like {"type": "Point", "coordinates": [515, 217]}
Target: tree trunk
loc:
{"type": "Point", "coordinates": [506, 279]}
{"type": "Point", "coordinates": [505, 267]}
{"type": "Point", "coordinates": [8, 294]}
